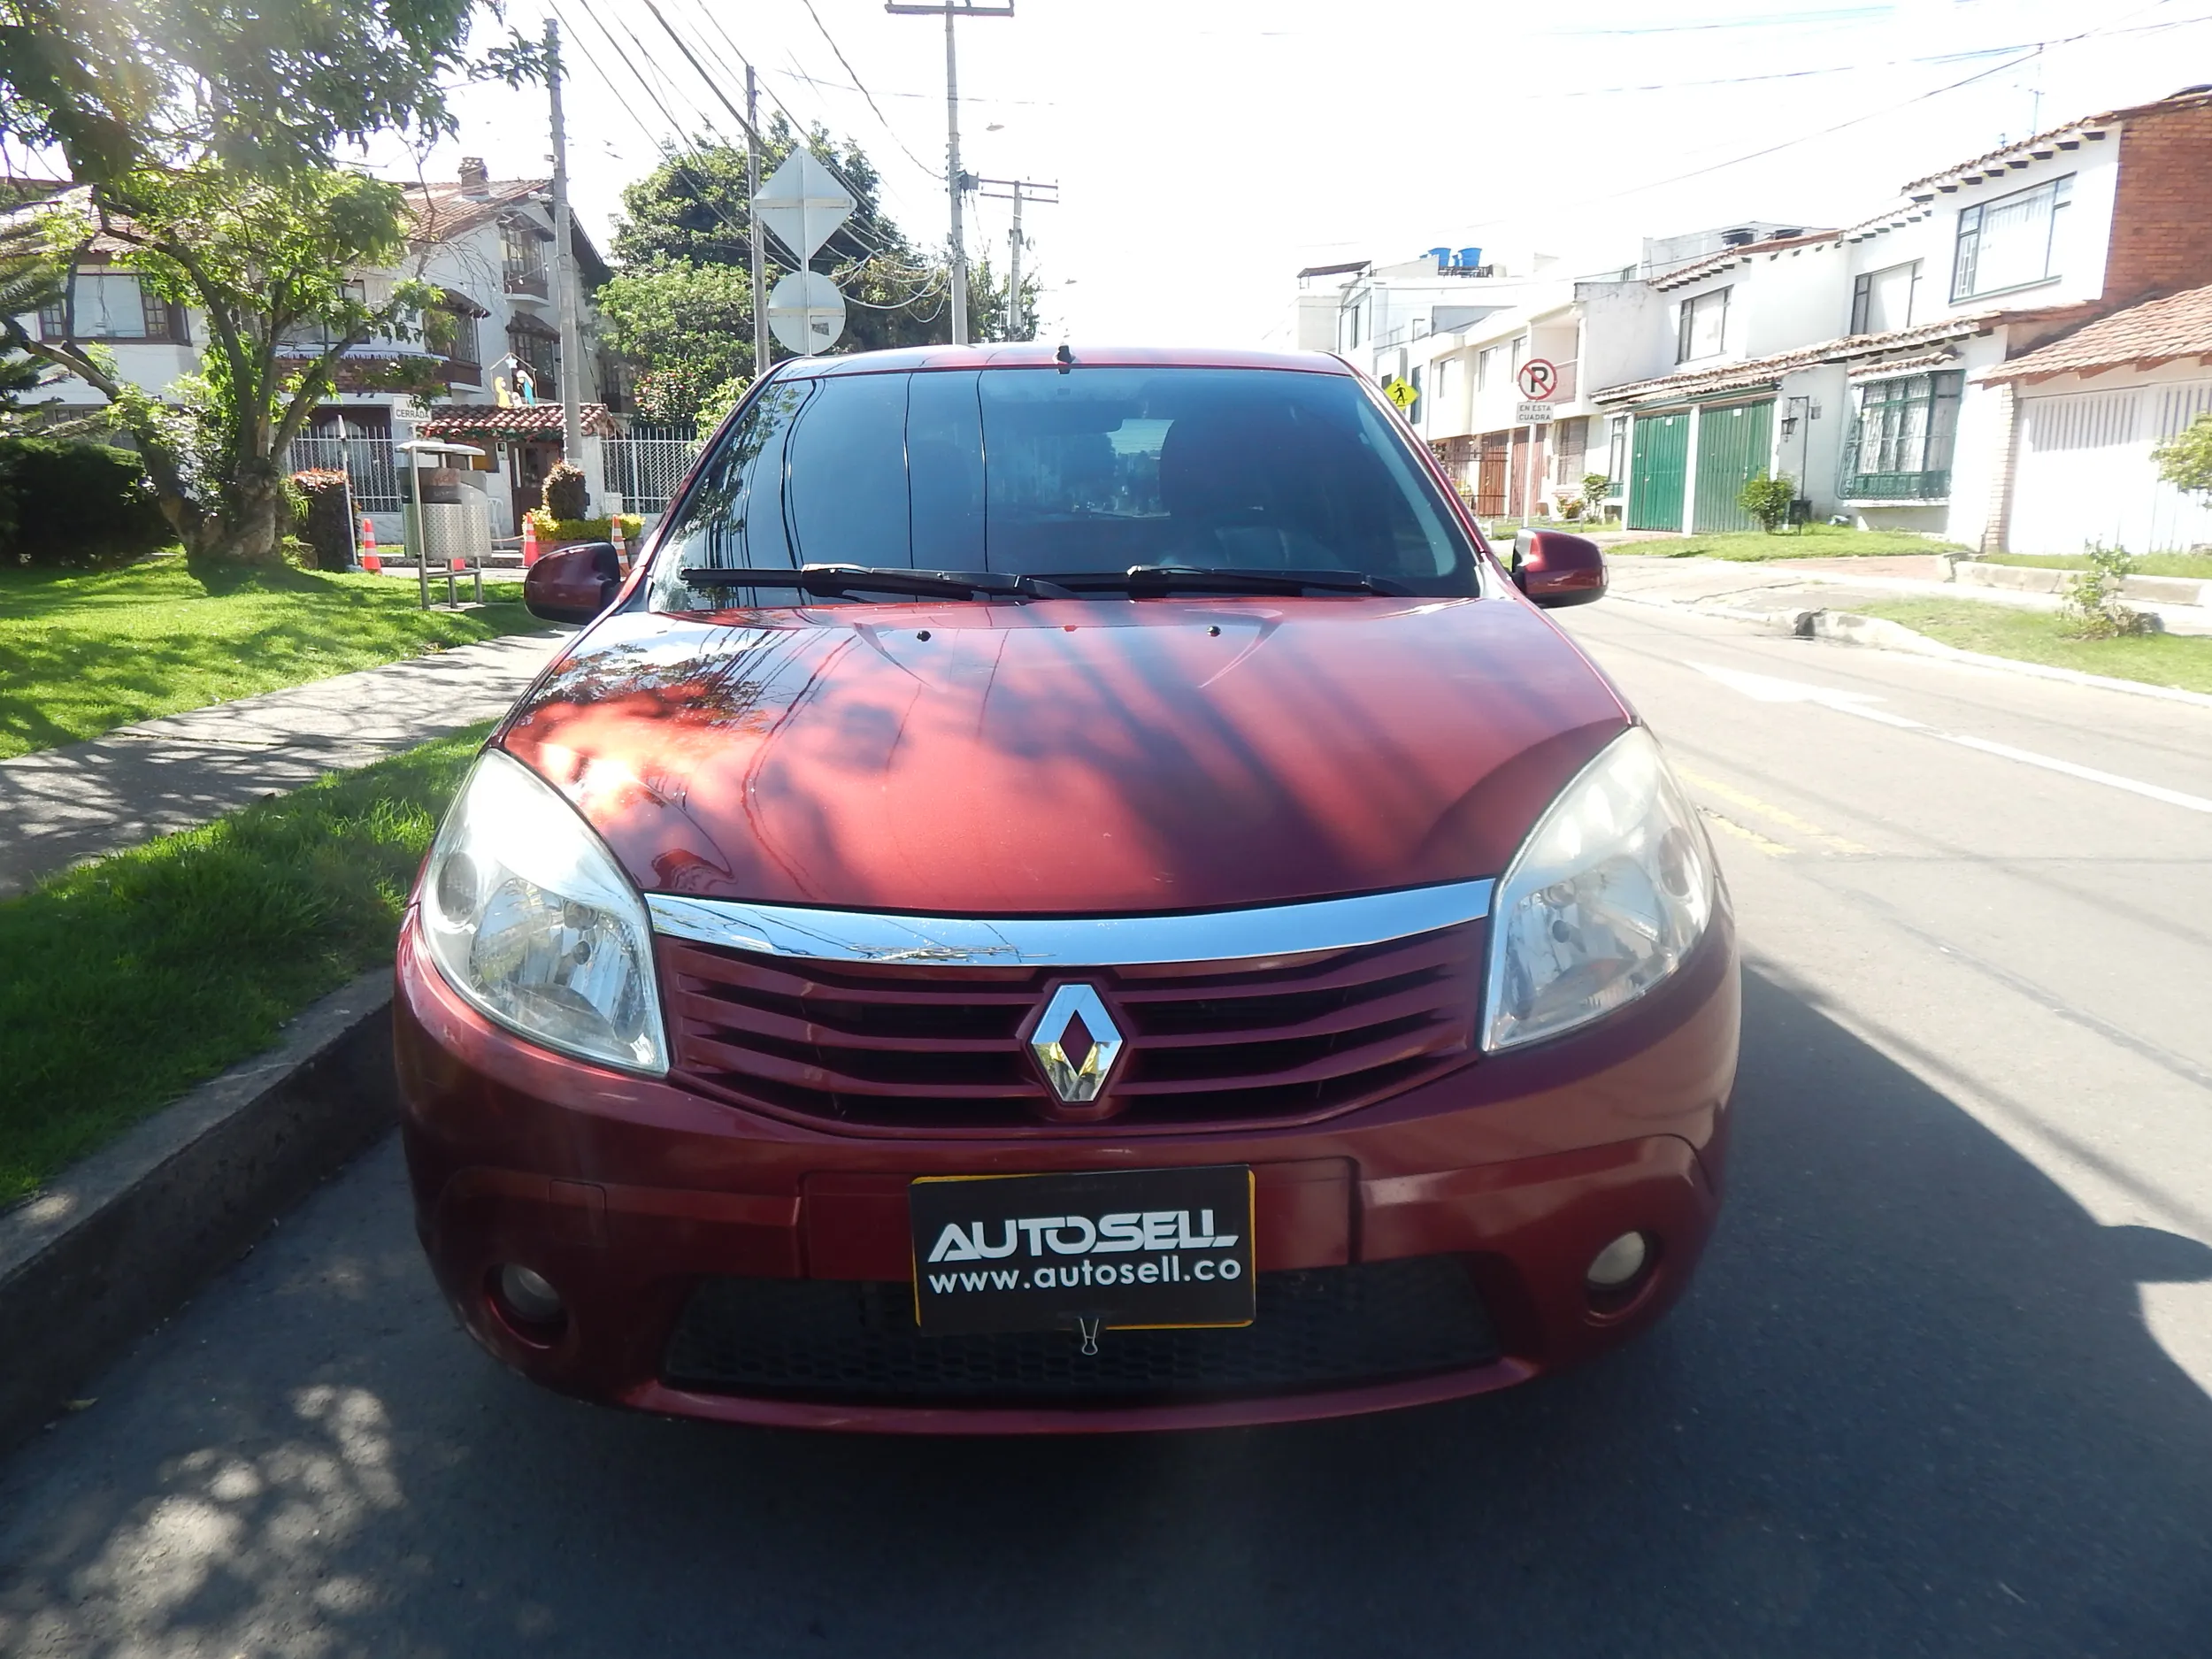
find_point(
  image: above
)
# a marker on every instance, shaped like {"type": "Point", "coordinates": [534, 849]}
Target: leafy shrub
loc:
{"type": "Point", "coordinates": [2185, 460]}
{"type": "Point", "coordinates": [551, 529]}
{"type": "Point", "coordinates": [2090, 603]}
{"type": "Point", "coordinates": [68, 504]}
{"type": "Point", "coordinates": [565, 495]}
{"type": "Point", "coordinates": [1768, 500]}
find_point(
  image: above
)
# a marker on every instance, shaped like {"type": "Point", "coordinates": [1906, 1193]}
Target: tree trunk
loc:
{"type": "Point", "coordinates": [250, 527]}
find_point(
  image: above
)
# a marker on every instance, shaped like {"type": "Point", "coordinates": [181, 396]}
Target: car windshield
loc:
{"type": "Point", "coordinates": [1034, 473]}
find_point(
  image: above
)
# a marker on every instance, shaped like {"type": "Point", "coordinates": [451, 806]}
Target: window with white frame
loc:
{"type": "Point", "coordinates": [1883, 302]}
{"type": "Point", "coordinates": [2011, 242]}
{"type": "Point", "coordinates": [1444, 379]}
{"type": "Point", "coordinates": [1617, 455]}
{"type": "Point", "coordinates": [1704, 329]}
{"type": "Point", "coordinates": [1486, 367]}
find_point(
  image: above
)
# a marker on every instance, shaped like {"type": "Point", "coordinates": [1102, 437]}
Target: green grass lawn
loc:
{"type": "Point", "coordinates": [1813, 542]}
{"type": "Point", "coordinates": [81, 653]}
{"type": "Point", "coordinates": [125, 982]}
{"type": "Point", "coordinates": [2034, 636]}
{"type": "Point", "coordinates": [2197, 565]}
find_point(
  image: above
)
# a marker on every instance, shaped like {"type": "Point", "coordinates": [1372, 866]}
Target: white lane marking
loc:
{"type": "Point", "coordinates": [1767, 688]}
{"type": "Point", "coordinates": [2172, 798]}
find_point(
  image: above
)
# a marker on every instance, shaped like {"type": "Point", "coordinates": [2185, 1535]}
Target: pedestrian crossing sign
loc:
{"type": "Point", "coordinates": [1399, 392]}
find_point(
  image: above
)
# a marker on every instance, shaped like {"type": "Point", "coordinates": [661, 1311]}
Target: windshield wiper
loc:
{"type": "Point", "coordinates": [837, 580]}
{"type": "Point", "coordinates": [1140, 580]}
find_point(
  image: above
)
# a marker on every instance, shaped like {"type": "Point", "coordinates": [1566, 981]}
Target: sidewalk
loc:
{"type": "Point", "coordinates": [1723, 587]}
{"type": "Point", "coordinates": [62, 806]}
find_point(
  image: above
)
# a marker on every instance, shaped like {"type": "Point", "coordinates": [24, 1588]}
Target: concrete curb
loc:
{"type": "Point", "coordinates": [1848, 627]}
{"type": "Point", "coordinates": [124, 1237]}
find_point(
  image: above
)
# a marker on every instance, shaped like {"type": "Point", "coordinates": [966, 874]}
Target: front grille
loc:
{"type": "Point", "coordinates": [911, 1046]}
{"type": "Point", "coordinates": [845, 1342]}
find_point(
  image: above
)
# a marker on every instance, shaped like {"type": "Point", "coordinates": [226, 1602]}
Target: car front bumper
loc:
{"type": "Point", "coordinates": [628, 1194]}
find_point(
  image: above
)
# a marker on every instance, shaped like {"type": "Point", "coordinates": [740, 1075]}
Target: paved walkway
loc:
{"type": "Point", "coordinates": [1725, 586]}
{"type": "Point", "coordinates": [62, 806]}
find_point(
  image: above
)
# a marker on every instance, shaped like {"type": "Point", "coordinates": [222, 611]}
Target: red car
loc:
{"type": "Point", "coordinates": [1066, 891]}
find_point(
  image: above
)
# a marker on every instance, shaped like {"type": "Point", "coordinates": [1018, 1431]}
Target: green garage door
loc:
{"type": "Point", "coordinates": [1731, 449]}
{"type": "Point", "coordinates": [1657, 466]}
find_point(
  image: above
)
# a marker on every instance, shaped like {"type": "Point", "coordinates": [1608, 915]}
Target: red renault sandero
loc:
{"type": "Point", "coordinates": [1067, 890]}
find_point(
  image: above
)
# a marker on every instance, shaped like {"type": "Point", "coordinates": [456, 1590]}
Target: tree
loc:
{"type": "Point", "coordinates": [2185, 460]}
{"type": "Point", "coordinates": [265, 261]}
{"type": "Point", "coordinates": [264, 85]}
{"type": "Point", "coordinates": [688, 328]}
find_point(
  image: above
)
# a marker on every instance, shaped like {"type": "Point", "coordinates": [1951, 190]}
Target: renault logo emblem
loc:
{"type": "Point", "coordinates": [1077, 1043]}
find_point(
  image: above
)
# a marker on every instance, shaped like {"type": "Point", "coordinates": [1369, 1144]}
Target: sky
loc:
{"type": "Point", "coordinates": [1205, 150]}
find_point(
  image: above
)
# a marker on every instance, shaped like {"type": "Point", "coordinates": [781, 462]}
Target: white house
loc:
{"type": "Point", "coordinates": [484, 245]}
{"type": "Point", "coordinates": [2088, 410]}
{"type": "Point", "coordinates": [1857, 362]}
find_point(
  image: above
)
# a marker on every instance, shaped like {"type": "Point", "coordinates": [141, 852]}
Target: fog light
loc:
{"type": "Point", "coordinates": [1616, 1264]}
{"type": "Point", "coordinates": [528, 1297]}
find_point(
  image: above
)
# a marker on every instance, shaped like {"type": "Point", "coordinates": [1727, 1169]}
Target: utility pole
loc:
{"type": "Point", "coordinates": [763, 351]}
{"type": "Point", "coordinates": [957, 182]}
{"type": "Point", "coordinates": [1017, 191]}
{"type": "Point", "coordinates": [564, 263]}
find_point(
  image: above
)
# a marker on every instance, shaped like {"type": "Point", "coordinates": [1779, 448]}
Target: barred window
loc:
{"type": "Point", "coordinates": [1901, 438]}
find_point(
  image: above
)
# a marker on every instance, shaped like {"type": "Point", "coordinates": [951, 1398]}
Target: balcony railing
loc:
{"type": "Point", "coordinates": [1895, 486]}
{"type": "Point", "coordinates": [528, 280]}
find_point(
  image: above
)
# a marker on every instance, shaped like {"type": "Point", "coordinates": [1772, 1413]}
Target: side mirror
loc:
{"type": "Point", "coordinates": [574, 584]}
{"type": "Point", "coordinates": [1556, 569]}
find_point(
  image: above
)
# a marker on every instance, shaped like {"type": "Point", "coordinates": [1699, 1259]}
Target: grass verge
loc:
{"type": "Point", "coordinates": [125, 982]}
{"type": "Point", "coordinates": [1813, 542]}
{"type": "Point", "coordinates": [2196, 565]}
{"type": "Point", "coordinates": [81, 653]}
{"type": "Point", "coordinates": [2034, 636]}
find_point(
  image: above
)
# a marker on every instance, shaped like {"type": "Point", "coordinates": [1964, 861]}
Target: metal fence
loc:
{"type": "Point", "coordinates": [645, 466]}
{"type": "Point", "coordinates": [371, 467]}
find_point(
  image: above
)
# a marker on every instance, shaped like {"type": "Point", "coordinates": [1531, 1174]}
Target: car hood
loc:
{"type": "Point", "coordinates": [1069, 757]}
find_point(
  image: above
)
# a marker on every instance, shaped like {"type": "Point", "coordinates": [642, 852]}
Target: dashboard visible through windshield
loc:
{"type": "Point", "coordinates": [1035, 472]}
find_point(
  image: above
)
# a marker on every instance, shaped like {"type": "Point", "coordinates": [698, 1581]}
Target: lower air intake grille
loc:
{"type": "Point", "coordinates": [843, 1341]}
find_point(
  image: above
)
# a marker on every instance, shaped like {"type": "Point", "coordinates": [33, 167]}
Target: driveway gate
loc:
{"type": "Point", "coordinates": [1657, 470]}
{"type": "Point", "coordinates": [1732, 449]}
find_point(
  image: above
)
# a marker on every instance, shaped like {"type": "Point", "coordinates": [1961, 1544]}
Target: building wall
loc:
{"type": "Point", "coordinates": [2082, 462]}
{"type": "Point", "coordinates": [2162, 232]}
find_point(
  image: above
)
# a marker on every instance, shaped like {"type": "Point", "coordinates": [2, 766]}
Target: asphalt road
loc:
{"type": "Point", "coordinates": [1942, 1388]}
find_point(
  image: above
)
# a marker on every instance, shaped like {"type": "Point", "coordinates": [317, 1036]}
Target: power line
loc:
{"type": "Point", "coordinates": [1859, 119]}
{"type": "Point", "coordinates": [1845, 69]}
{"type": "Point", "coordinates": [838, 53]}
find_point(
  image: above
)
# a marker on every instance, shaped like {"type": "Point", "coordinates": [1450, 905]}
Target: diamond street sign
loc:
{"type": "Point", "coordinates": [803, 204]}
{"type": "Point", "coordinates": [1401, 392]}
{"type": "Point", "coordinates": [806, 312]}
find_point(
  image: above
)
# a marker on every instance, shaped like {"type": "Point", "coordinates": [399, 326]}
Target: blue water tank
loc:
{"type": "Point", "coordinates": [1468, 257]}
{"type": "Point", "coordinates": [1442, 255]}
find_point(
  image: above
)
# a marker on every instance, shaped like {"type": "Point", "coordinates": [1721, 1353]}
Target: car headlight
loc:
{"type": "Point", "coordinates": [1605, 898]}
{"type": "Point", "coordinates": [528, 917]}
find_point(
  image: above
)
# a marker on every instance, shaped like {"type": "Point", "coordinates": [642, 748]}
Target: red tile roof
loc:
{"type": "Point", "coordinates": [2070, 136]}
{"type": "Point", "coordinates": [2169, 330]}
{"type": "Point", "coordinates": [515, 420]}
{"type": "Point", "coordinates": [1743, 254]}
{"type": "Point", "coordinates": [1726, 377]}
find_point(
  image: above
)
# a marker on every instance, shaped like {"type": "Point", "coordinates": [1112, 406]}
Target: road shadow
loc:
{"type": "Point", "coordinates": [1911, 1407]}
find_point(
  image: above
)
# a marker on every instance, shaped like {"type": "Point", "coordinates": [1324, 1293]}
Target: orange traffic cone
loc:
{"type": "Point", "coordinates": [621, 548]}
{"type": "Point", "coordinates": [529, 540]}
{"type": "Point", "coordinates": [370, 562]}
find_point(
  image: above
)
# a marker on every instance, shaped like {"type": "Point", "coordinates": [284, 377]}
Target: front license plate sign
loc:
{"type": "Point", "coordinates": [1120, 1250]}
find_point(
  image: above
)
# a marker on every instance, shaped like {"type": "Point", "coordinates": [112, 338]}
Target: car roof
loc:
{"type": "Point", "coordinates": [1037, 356]}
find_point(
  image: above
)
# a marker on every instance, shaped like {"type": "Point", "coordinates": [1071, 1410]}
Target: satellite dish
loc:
{"type": "Point", "coordinates": [806, 312]}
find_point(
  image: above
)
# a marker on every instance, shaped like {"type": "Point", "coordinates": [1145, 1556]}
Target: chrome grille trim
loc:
{"type": "Point", "coordinates": [1085, 941]}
